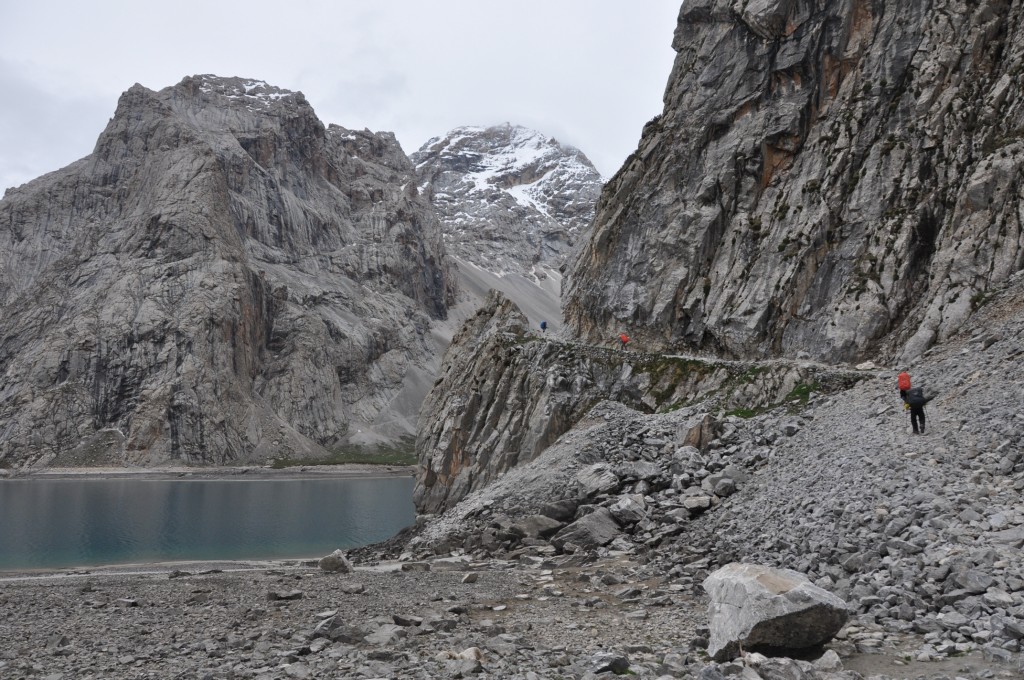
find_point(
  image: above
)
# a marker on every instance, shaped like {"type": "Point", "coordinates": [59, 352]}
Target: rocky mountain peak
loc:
{"type": "Point", "coordinates": [223, 279]}
{"type": "Point", "coordinates": [828, 183]}
{"type": "Point", "coordinates": [509, 198]}
{"type": "Point", "coordinates": [249, 92]}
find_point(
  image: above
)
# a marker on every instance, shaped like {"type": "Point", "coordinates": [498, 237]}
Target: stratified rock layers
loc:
{"type": "Point", "coordinates": [836, 178]}
{"type": "Point", "coordinates": [223, 279]}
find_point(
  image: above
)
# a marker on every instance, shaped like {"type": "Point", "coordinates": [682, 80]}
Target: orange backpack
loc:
{"type": "Point", "coordinates": [903, 381]}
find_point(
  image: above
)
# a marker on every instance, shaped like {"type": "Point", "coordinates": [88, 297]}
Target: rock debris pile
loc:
{"type": "Point", "coordinates": [919, 534]}
{"type": "Point", "coordinates": [589, 561]}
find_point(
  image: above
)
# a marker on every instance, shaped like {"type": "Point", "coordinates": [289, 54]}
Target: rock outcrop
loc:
{"type": "Point", "coordinates": [510, 199]}
{"type": "Point", "coordinates": [505, 393]}
{"type": "Point", "coordinates": [222, 279]}
{"type": "Point", "coordinates": [842, 179]}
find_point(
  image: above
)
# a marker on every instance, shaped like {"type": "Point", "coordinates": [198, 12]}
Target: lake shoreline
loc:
{"type": "Point", "coordinates": [168, 568]}
{"type": "Point", "coordinates": [346, 471]}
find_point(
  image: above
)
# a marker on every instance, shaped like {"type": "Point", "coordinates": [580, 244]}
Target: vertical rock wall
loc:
{"type": "Point", "coordinates": [841, 179]}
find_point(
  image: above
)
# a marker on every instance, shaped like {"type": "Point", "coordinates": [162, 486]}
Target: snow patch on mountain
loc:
{"type": "Point", "coordinates": [251, 92]}
{"type": "Point", "coordinates": [510, 198]}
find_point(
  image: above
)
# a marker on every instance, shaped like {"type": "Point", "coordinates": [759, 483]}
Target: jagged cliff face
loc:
{"type": "Point", "coordinates": [505, 393]}
{"type": "Point", "coordinates": [833, 178]}
{"type": "Point", "coordinates": [222, 280]}
{"type": "Point", "coordinates": [510, 199]}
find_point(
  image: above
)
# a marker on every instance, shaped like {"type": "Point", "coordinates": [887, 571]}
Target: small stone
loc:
{"type": "Point", "coordinates": [276, 595]}
{"type": "Point", "coordinates": [605, 662]}
{"type": "Point", "coordinates": [406, 621]}
{"type": "Point", "coordinates": [298, 670]}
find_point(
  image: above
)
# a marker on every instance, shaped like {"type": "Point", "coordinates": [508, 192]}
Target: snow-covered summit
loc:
{"type": "Point", "coordinates": [510, 198]}
{"type": "Point", "coordinates": [248, 91]}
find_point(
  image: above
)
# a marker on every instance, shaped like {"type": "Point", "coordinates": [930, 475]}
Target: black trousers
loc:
{"type": "Point", "coordinates": [917, 415]}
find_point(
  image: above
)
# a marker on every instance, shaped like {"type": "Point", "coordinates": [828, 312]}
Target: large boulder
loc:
{"type": "Point", "coordinates": [536, 526]}
{"type": "Point", "coordinates": [597, 479]}
{"type": "Point", "coordinates": [335, 563]}
{"type": "Point", "coordinates": [590, 531]}
{"type": "Point", "coordinates": [758, 608]}
{"type": "Point", "coordinates": [629, 509]}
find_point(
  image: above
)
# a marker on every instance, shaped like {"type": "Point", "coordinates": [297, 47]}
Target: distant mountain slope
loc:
{"type": "Point", "coordinates": [510, 199]}
{"type": "Point", "coordinates": [223, 279]}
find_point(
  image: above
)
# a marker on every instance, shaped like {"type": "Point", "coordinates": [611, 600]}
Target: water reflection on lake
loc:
{"type": "Point", "coordinates": [47, 523]}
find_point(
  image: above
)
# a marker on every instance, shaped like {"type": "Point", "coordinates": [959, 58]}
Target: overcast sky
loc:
{"type": "Point", "coordinates": [588, 72]}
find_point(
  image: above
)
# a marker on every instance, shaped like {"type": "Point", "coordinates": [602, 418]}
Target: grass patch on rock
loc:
{"type": "Point", "coordinates": [802, 393]}
{"type": "Point", "coordinates": [401, 454]}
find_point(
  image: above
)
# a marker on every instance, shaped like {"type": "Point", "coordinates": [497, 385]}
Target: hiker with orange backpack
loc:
{"type": "Point", "coordinates": [624, 339]}
{"type": "Point", "coordinates": [903, 384]}
{"type": "Point", "coordinates": [914, 400]}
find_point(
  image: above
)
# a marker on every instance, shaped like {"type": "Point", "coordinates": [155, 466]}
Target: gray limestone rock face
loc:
{"type": "Point", "coordinates": [504, 394]}
{"type": "Point", "coordinates": [754, 606]}
{"type": "Point", "coordinates": [509, 199]}
{"type": "Point", "coordinates": [841, 179]}
{"type": "Point", "coordinates": [224, 279]}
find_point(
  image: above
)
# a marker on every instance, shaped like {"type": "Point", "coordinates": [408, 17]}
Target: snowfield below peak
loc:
{"type": "Point", "coordinates": [509, 197]}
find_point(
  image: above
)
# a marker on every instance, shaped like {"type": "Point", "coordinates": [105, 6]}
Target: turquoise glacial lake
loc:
{"type": "Point", "coordinates": [60, 523]}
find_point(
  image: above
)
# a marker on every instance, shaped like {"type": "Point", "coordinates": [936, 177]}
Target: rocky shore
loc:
{"type": "Point", "coordinates": [446, 618]}
{"type": "Point", "coordinates": [588, 561]}
{"type": "Point", "coordinates": [348, 470]}
{"type": "Point", "coordinates": [451, 617]}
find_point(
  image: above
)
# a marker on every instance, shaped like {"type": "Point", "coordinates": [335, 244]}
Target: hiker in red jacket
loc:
{"type": "Point", "coordinates": [624, 339]}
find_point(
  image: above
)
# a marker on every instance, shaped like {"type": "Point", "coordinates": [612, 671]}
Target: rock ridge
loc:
{"type": "Point", "coordinates": [222, 280]}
